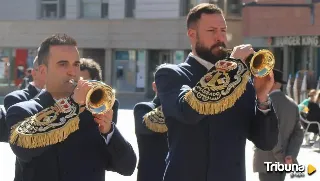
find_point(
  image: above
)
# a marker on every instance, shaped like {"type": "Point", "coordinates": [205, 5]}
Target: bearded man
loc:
{"type": "Point", "coordinates": [211, 104]}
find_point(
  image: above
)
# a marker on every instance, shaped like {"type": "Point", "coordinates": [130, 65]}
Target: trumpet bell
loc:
{"type": "Point", "coordinates": [262, 63]}
{"type": "Point", "coordinates": [100, 98]}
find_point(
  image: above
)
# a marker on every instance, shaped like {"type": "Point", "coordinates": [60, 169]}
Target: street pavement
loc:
{"type": "Point", "coordinates": [126, 126]}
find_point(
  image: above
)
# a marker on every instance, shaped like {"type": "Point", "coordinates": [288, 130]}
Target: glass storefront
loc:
{"type": "Point", "coordinates": [5, 65]}
{"type": "Point", "coordinates": [32, 53]}
{"type": "Point", "coordinates": [133, 69]}
{"type": "Point", "coordinates": [141, 70]}
{"type": "Point", "coordinates": [179, 56]}
{"type": "Point", "coordinates": [125, 70]}
{"type": "Point", "coordinates": [278, 54]}
{"type": "Point", "coordinates": [13, 64]}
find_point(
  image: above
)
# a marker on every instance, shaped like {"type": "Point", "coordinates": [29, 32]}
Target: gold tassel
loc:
{"type": "Point", "coordinates": [211, 108]}
{"type": "Point", "coordinates": [155, 121]}
{"type": "Point", "coordinates": [44, 139]}
{"type": "Point", "coordinates": [156, 127]}
{"type": "Point", "coordinates": [43, 129]}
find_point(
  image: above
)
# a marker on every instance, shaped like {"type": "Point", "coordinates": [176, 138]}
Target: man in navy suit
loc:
{"type": "Point", "coordinates": [54, 136]}
{"type": "Point", "coordinates": [91, 70]}
{"type": "Point", "coordinates": [212, 106]}
{"type": "Point", "coordinates": [32, 89]}
{"type": "Point", "coordinates": [3, 127]}
{"type": "Point", "coordinates": [151, 133]}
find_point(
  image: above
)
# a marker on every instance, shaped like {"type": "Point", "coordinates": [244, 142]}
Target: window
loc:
{"type": "Point", "coordinates": [186, 5]}
{"type": "Point", "coordinates": [234, 7]}
{"type": "Point", "coordinates": [125, 71]}
{"type": "Point", "coordinates": [130, 8]}
{"type": "Point", "coordinates": [104, 10]}
{"type": "Point", "coordinates": [96, 9]}
{"type": "Point", "coordinates": [53, 9]}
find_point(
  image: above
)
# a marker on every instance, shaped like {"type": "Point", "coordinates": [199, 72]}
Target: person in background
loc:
{"type": "Point", "coordinates": [151, 133]}
{"type": "Point", "coordinates": [27, 79]}
{"type": "Point", "coordinates": [313, 115]}
{"type": "Point", "coordinates": [26, 94]}
{"type": "Point", "coordinates": [91, 70]}
{"type": "Point", "coordinates": [304, 110]}
{"type": "Point", "coordinates": [3, 127]}
{"type": "Point", "coordinates": [290, 133]}
{"type": "Point", "coordinates": [303, 106]}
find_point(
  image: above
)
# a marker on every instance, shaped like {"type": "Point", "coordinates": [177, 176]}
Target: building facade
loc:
{"type": "Point", "coordinates": [129, 38]}
{"type": "Point", "coordinates": [288, 32]}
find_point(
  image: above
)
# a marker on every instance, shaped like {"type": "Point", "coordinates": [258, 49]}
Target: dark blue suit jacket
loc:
{"type": "Point", "coordinates": [84, 155]}
{"type": "Point", "coordinates": [3, 126]}
{"type": "Point", "coordinates": [153, 147]}
{"type": "Point", "coordinates": [11, 99]}
{"type": "Point", "coordinates": [206, 148]}
{"type": "Point", "coordinates": [115, 108]}
{"type": "Point", "coordinates": [20, 96]}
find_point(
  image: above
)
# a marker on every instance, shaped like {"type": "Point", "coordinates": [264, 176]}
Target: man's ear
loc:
{"type": "Point", "coordinates": [43, 70]}
{"type": "Point", "coordinates": [192, 34]}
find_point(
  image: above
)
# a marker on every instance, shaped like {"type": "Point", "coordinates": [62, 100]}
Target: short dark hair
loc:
{"type": "Point", "coordinates": [92, 67]}
{"type": "Point", "coordinates": [54, 40]}
{"type": "Point", "coordinates": [204, 8]}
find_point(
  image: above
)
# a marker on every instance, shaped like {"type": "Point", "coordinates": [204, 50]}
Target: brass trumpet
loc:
{"type": "Point", "coordinates": [261, 63]}
{"type": "Point", "coordinates": [100, 98]}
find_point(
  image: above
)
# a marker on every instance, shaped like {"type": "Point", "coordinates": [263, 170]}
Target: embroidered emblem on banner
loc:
{"type": "Point", "coordinates": [64, 105]}
{"type": "Point", "coordinates": [155, 120]}
{"type": "Point", "coordinates": [220, 88]}
{"type": "Point", "coordinates": [50, 126]}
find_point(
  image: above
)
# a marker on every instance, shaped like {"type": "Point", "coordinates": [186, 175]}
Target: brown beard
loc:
{"type": "Point", "coordinates": [206, 53]}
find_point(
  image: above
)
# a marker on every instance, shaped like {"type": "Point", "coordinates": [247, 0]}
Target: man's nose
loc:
{"type": "Point", "coordinates": [72, 71]}
{"type": "Point", "coordinates": [219, 37]}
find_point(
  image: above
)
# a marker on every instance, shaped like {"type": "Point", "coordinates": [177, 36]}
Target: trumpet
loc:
{"type": "Point", "coordinates": [100, 98]}
{"type": "Point", "coordinates": [261, 63]}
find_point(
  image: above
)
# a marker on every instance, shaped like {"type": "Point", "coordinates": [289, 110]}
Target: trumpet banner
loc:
{"type": "Point", "coordinates": [220, 88]}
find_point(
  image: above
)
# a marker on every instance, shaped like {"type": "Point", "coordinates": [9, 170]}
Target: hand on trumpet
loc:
{"type": "Point", "coordinates": [242, 52]}
{"type": "Point", "coordinates": [262, 85]}
{"type": "Point", "coordinates": [104, 121]}
{"type": "Point", "coordinates": [80, 91]}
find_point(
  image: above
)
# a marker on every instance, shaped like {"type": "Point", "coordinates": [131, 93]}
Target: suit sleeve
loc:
{"type": "Point", "coordinates": [115, 108]}
{"type": "Point", "coordinates": [295, 139]}
{"type": "Point", "coordinates": [139, 111]}
{"type": "Point", "coordinates": [171, 93]}
{"type": "Point", "coordinates": [14, 116]}
{"type": "Point", "coordinates": [264, 130]}
{"type": "Point", "coordinates": [3, 127]}
{"type": "Point", "coordinates": [120, 157]}
{"type": "Point", "coordinates": [10, 100]}
{"type": "Point", "coordinates": [32, 131]}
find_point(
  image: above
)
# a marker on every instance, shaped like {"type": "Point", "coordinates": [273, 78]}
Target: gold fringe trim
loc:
{"type": "Point", "coordinates": [155, 121]}
{"type": "Point", "coordinates": [156, 127]}
{"type": "Point", "coordinates": [44, 139]}
{"type": "Point", "coordinates": [211, 108]}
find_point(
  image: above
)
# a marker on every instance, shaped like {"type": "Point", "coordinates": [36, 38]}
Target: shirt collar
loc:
{"type": "Point", "coordinates": [204, 63]}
